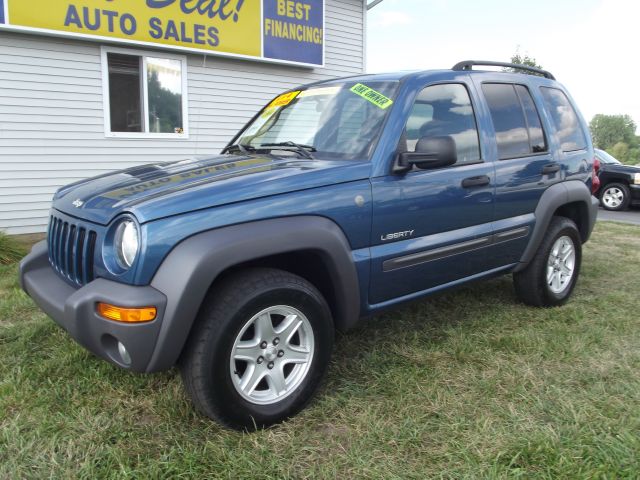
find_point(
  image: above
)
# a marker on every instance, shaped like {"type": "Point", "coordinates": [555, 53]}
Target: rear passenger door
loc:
{"type": "Point", "coordinates": [525, 165]}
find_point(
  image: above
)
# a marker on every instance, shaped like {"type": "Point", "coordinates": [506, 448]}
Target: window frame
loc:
{"type": "Point", "coordinates": [526, 121]}
{"type": "Point", "coordinates": [474, 108]}
{"type": "Point", "coordinates": [144, 54]}
{"type": "Point", "coordinates": [526, 117]}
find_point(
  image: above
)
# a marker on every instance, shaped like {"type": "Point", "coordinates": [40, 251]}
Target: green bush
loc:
{"type": "Point", "coordinates": [10, 250]}
{"type": "Point", "coordinates": [625, 154]}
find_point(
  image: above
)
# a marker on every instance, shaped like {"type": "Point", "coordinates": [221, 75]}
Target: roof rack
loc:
{"type": "Point", "coordinates": [469, 64]}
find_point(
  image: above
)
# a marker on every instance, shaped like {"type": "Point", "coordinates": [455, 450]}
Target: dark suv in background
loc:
{"type": "Point", "coordinates": [619, 184]}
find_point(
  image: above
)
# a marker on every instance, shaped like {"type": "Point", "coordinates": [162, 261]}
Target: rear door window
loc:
{"type": "Point", "coordinates": [565, 120]}
{"type": "Point", "coordinates": [515, 119]}
{"type": "Point", "coordinates": [537, 139]}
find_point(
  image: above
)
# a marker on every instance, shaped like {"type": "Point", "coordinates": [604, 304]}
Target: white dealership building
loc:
{"type": "Point", "coordinates": [89, 86]}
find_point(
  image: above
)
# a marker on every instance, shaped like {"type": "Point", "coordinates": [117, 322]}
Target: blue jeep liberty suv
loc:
{"type": "Point", "coordinates": [336, 201]}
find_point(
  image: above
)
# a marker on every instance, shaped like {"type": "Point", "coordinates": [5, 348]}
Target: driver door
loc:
{"type": "Point", "coordinates": [433, 227]}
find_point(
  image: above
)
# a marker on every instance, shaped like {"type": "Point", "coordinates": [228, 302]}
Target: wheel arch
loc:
{"type": "Point", "coordinates": [310, 264]}
{"type": "Point", "coordinates": [577, 211]}
{"type": "Point", "coordinates": [571, 199]}
{"type": "Point", "coordinates": [313, 247]}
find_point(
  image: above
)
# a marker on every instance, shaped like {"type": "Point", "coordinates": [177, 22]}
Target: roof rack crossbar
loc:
{"type": "Point", "coordinates": [469, 64]}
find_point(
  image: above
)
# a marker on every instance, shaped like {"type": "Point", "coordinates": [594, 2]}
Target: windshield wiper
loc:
{"type": "Point", "coordinates": [302, 150]}
{"type": "Point", "coordinates": [238, 147]}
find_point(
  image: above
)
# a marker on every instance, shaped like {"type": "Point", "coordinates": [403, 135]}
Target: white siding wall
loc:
{"type": "Point", "coordinates": [52, 118]}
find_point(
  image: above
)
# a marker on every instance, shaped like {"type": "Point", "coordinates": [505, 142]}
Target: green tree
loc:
{"type": "Point", "coordinates": [521, 59]}
{"type": "Point", "coordinates": [609, 130]}
{"type": "Point", "coordinates": [621, 151]}
{"type": "Point", "coordinates": [525, 60]}
{"type": "Point", "coordinates": [628, 156]}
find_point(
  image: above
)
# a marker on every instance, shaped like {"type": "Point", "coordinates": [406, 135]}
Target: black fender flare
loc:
{"type": "Point", "coordinates": [552, 199]}
{"type": "Point", "coordinates": [188, 271]}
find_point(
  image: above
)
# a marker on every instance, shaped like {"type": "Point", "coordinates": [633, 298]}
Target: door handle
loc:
{"type": "Point", "coordinates": [551, 168]}
{"type": "Point", "coordinates": [479, 181]}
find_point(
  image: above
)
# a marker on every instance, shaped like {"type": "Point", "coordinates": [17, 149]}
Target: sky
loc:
{"type": "Point", "coordinates": [590, 46]}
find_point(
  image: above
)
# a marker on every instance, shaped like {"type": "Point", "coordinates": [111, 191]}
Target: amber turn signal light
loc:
{"type": "Point", "coordinates": [126, 315]}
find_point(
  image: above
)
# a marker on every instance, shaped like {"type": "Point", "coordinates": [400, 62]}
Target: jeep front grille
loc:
{"type": "Point", "coordinates": [71, 249]}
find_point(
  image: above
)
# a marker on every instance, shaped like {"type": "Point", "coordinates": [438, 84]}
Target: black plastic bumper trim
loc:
{"type": "Point", "coordinates": [74, 309]}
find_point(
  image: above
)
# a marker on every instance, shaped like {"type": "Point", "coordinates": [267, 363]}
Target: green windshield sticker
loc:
{"type": "Point", "coordinates": [378, 99]}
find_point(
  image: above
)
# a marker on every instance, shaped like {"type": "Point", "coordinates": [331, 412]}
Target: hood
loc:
{"type": "Point", "coordinates": [621, 168]}
{"type": "Point", "coordinates": [160, 190]}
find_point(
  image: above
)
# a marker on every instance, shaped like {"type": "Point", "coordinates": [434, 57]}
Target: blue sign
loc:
{"type": "Point", "coordinates": [1, 11]}
{"type": "Point", "coordinates": [294, 30]}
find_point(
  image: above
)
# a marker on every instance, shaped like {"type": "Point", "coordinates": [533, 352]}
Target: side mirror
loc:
{"type": "Point", "coordinates": [431, 152]}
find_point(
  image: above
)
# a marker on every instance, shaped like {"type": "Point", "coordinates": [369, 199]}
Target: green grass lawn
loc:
{"type": "Point", "coordinates": [466, 385]}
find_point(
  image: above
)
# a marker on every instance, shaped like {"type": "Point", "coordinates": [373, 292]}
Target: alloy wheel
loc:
{"type": "Point", "coordinates": [561, 264]}
{"type": "Point", "coordinates": [613, 197]}
{"type": "Point", "coordinates": [272, 354]}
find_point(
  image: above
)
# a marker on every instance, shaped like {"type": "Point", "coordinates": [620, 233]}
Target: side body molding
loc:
{"type": "Point", "coordinates": [553, 198]}
{"type": "Point", "coordinates": [189, 270]}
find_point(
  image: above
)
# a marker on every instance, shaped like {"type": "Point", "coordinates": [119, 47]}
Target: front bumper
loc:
{"type": "Point", "coordinates": [635, 194]}
{"type": "Point", "coordinates": [74, 309]}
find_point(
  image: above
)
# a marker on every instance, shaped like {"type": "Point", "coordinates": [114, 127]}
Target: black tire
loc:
{"type": "Point", "coordinates": [531, 284]}
{"type": "Point", "coordinates": [205, 364]}
{"type": "Point", "coordinates": [626, 196]}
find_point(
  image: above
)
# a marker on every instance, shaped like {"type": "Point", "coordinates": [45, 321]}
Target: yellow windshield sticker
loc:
{"type": "Point", "coordinates": [378, 99]}
{"type": "Point", "coordinates": [284, 99]}
{"type": "Point", "coordinates": [316, 92]}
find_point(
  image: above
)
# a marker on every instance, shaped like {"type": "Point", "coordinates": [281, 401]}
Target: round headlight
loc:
{"type": "Point", "coordinates": [126, 243]}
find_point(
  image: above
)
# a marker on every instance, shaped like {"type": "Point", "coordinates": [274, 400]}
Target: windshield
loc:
{"type": "Point", "coordinates": [340, 120]}
{"type": "Point", "coordinates": [606, 158]}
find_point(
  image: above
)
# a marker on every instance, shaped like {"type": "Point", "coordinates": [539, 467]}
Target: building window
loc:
{"type": "Point", "coordinates": [145, 95]}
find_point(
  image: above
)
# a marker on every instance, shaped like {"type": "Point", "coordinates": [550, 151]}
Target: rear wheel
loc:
{"type": "Point", "coordinates": [615, 197]}
{"type": "Point", "coordinates": [259, 350]}
{"type": "Point", "coordinates": [552, 274]}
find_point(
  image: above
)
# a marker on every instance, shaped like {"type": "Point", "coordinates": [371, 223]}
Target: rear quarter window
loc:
{"type": "Point", "coordinates": [565, 119]}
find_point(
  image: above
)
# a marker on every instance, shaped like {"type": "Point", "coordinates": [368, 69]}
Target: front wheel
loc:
{"type": "Point", "coordinates": [615, 197]}
{"type": "Point", "coordinates": [552, 274]}
{"type": "Point", "coordinates": [259, 349]}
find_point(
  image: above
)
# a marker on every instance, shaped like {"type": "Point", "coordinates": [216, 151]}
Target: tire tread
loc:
{"type": "Point", "coordinates": [219, 305]}
{"type": "Point", "coordinates": [530, 283]}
